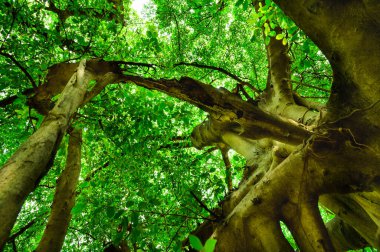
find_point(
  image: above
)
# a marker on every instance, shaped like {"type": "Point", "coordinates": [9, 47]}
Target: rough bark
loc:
{"type": "Point", "coordinates": [21, 173]}
{"type": "Point", "coordinates": [64, 198]}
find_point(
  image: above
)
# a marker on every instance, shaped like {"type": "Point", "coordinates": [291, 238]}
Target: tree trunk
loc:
{"type": "Point", "coordinates": [64, 198]}
{"type": "Point", "coordinates": [22, 172]}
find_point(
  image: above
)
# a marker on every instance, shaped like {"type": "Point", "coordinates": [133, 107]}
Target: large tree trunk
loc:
{"type": "Point", "coordinates": [64, 198]}
{"type": "Point", "coordinates": [290, 191]}
{"type": "Point", "coordinates": [22, 172]}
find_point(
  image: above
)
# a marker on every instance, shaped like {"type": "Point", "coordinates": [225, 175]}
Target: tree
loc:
{"type": "Point", "coordinates": [298, 153]}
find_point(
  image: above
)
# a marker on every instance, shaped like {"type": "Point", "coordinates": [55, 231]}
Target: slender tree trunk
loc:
{"type": "Point", "coordinates": [64, 198]}
{"type": "Point", "coordinates": [21, 173]}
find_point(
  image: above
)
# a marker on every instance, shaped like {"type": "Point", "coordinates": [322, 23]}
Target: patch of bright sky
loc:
{"type": "Point", "coordinates": [138, 5]}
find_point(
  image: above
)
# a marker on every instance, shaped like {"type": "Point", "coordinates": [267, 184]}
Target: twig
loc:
{"type": "Point", "coordinates": [21, 231]}
{"type": "Point", "coordinates": [178, 35]}
{"type": "Point", "coordinates": [14, 14]}
{"type": "Point", "coordinates": [219, 69]}
{"type": "Point", "coordinates": [93, 172]}
{"type": "Point", "coordinates": [82, 232]}
{"type": "Point", "coordinates": [31, 119]}
{"type": "Point", "coordinates": [311, 86]}
{"type": "Point", "coordinates": [46, 186]}
{"type": "Point", "coordinates": [204, 153]}
{"type": "Point", "coordinates": [204, 206]}
{"type": "Point", "coordinates": [175, 235]}
{"type": "Point", "coordinates": [130, 63]}
{"type": "Point", "coordinates": [167, 214]}
{"type": "Point", "coordinates": [14, 247]}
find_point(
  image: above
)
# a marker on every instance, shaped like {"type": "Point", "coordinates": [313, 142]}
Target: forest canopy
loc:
{"type": "Point", "coordinates": [188, 125]}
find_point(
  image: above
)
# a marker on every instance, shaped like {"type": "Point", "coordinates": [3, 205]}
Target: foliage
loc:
{"type": "Point", "coordinates": [138, 166]}
{"type": "Point", "coordinates": [196, 244]}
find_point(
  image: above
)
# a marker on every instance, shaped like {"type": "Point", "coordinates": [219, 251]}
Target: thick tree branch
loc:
{"type": "Point", "coordinates": [236, 114]}
{"type": "Point", "coordinates": [245, 117]}
{"type": "Point", "coordinates": [279, 70]}
{"type": "Point", "coordinates": [344, 237]}
{"type": "Point", "coordinates": [242, 116]}
{"type": "Point", "coordinates": [308, 167]}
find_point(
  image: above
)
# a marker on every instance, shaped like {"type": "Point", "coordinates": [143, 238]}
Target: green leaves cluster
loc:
{"type": "Point", "coordinates": [196, 244]}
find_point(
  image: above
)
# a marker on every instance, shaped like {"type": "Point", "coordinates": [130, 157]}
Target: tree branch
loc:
{"type": "Point", "coordinates": [93, 172]}
{"type": "Point", "coordinates": [310, 86]}
{"type": "Point", "coordinates": [222, 70]}
{"type": "Point", "coordinates": [130, 63]}
{"type": "Point", "coordinates": [248, 119]}
{"type": "Point", "coordinates": [204, 206]}
{"type": "Point", "coordinates": [21, 231]}
{"type": "Point", "coordinates": [227, 163]}
{"type": "Point", "coordinates": [108, 78]}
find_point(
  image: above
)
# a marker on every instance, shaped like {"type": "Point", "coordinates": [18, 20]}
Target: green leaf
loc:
{"type": "Point", "coordinates": [118, 214]}
{"type": "Point", "coordinates": [129, 203]}
{"type": "Point", "coordinates": [78, 208]}
{"type": "Point", "coordinates": [209, 245]}
{"type": "Point", "coordinates": [239, 2]}
{"type": "Point", "coordinates": [267, 40]}
{"type": "Point", "coordinates": [293, 29]}
{"type": "Point", "coordinates": [195, 243]}
{"type": "Point", "coordinates": [245, 5]}
{"type": "Point", "coordinates": [280, 36]}
{"type": "Point", "coordinates": [110, 212]}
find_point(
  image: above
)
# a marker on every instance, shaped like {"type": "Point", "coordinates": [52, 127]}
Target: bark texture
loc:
{"type": "Point", "coordinates": [64, 198]}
